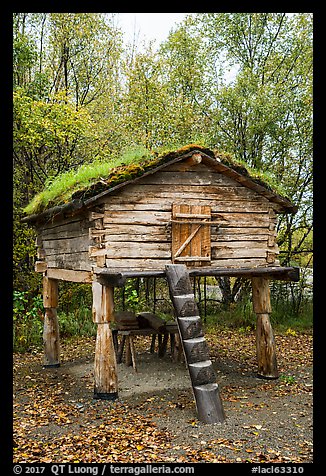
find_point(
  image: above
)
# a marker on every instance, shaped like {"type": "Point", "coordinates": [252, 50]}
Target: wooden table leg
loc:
{"type": "Point", "coordinates": [133, 353]}
{"type": "Point", "coordinates": [120, 349]}
{"type": "Point", "coordinates": [152, 350]}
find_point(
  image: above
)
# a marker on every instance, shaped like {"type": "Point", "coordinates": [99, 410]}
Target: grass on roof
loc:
{"type": "Point", "coordinates": [90, 179]}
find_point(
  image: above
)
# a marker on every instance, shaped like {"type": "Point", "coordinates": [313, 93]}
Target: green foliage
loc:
{"type": "Point", "coordinates": [288, 379]}
{"type": "Point", "coordinates": [47, 133]}
{"type": "Point", "coordinates": [27, 320]}
{"type": "Point", "coordinates": [61, 189]}
{"type": "Point", "coordinates": [77, 323]}
{"type": "Point", "coordinates": [237, 82]}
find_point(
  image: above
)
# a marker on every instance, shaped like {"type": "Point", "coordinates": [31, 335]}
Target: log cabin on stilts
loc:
{"type": "Point", "coordinates": [190, 212]}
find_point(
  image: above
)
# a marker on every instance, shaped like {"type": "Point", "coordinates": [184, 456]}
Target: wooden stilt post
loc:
{"type": "Point", "coordinates": [51, 339]}
{"type": "Point", "coordinates": [266, 354]}
{"type": "Point", "coordinates": [105, 365]}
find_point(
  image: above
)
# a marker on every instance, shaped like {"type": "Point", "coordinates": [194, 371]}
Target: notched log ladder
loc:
{"type": "Point", "coordinates": [203, 378]}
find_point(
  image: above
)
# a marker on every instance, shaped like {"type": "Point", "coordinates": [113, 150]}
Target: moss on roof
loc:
{"type": "Point", "coordinates": [93, 178]}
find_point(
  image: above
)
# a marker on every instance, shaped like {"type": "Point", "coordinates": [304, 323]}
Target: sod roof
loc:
{"type": "Point", "coordinates": [80, 188]}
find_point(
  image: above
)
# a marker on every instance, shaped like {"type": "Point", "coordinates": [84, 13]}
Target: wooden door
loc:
{"type": "Point", "coordinates": [191, 234]}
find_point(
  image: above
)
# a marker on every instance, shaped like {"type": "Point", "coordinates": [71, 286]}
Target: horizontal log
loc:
{"type": "Point", "coordinates": [40, 266]}
{"type": "Point", "coordinates": [95, 215]}
{"type": "Point", "coordinates": [70, 275]}
{"type": "Point", "coordinates": [74, 261]}
{"type": "Point", "coordinates": [185, 192]}
{"type": "Point", "coordinates": [70, 245]}
{"type": "Point", "coordinates": [120, 277]}
{"type": "Point", "coordinates": [195, 176]}
{"type": "Point", "coordinates": [159, 263]}
{"type": "Point", "coordinates": [153, 320]}
{"type": "Point", "coordinates": [123, 232]}
{"type": "Point", "coordinates": [227, 252]}
{"type": "Point", "coordinates": [252, 219]}
{"type": "Point", "coordinates": [165, 204]}
{"type": "Point", "coordinates": [56, 212]}
{"type": "Point", "coordinates": [132, 250]}
{"type": "Point", "coordinates": [64, 230]}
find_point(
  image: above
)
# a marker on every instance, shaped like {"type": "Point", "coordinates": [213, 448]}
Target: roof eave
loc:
{"type": "Point", "coordinates": [78, 205]}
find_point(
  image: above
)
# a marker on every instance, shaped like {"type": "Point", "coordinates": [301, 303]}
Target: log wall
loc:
{"type": "Point", "coordinates": [136, 222]}
{"type": "Point", "coordinates": [65, 244]}
{"type": "Point", "coordinates": [131, 229]}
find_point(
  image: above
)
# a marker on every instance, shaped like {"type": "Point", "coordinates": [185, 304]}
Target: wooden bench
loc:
{"type": "Point", "coordinates": [127, 343]}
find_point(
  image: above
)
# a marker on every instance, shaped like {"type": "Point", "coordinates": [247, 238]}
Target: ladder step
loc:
{"type": "Point", "coordinates": [208, 387]}
{"type": "Point", "coordinates": [196, 349]}
{"type": "Point", "coordinates": [185, 306]}
{"type": "Point", "coordinates": [209, 404]}
{"type": "Point", "coordinates": [190, 327]}
{"type": "Point", "coordinates": [201, 372]}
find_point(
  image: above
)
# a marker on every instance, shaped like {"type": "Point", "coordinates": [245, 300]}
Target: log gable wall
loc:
{"type": "Point", "coordinates": [132, 228]}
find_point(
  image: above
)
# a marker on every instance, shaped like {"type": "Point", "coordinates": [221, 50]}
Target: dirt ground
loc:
{"type": "Point", "coordinates": [154, 419]}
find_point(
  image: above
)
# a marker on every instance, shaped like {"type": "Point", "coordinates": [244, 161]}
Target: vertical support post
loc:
{"type": "Point", "coordinates": [51, 338]}
{"type": "Point", "coordinates": [105, 364]}
{"type": "Point", "coordinates": [266, 354]}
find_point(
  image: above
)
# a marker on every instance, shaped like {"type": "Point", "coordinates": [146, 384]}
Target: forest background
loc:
{"type": "Point", "coordinates": [81, 94]}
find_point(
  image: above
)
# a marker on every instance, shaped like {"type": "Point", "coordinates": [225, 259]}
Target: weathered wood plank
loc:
{"type": "Point", "coordinates": [70, 275]}
{"type": "Point", "coordinates": [158, 264]}
{"type": "Point", "coordinates": [40, 266]}
{"type": "Point", "coordinates": [77, 261]}
{"type": "Point", "coordinates": [137, 218]}
{"type": "Point", "coordinates": [219, 252]}
{"type": "Point", "coordinates": [162, 250]}
{"type": "Point", "coordinates": [226, 219]}
{"type": "Point", "coordinates": [71, 245]}
{"type": "Point", "coordinates": [129, 250]}
{"type": "Point", "coordinates": [183, 191]}
{"type": "Point", "coordinates": [208, 177]}
{"type": "Point", "coordinates": [137, 263]}
{"type": "Point", "coordinates": [162, 204]}
{"type": "Point", "coordinates": [69, 222]}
